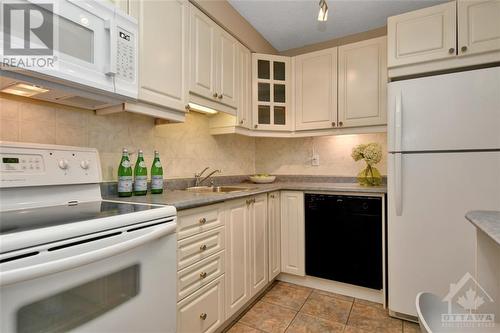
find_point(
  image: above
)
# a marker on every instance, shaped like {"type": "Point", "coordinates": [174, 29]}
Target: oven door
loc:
{"type": "Point", "coordinates": [115, 281]}
{"type": "Point", "coordinates": [84, 42]}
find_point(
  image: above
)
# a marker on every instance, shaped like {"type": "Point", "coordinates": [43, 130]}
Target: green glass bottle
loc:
{"type": "Point", "coordinates": [140, 175]}
{"type": "Point", "coordinates": [125, 176]}
{"type": "Point", "coordinates": [156, 175]}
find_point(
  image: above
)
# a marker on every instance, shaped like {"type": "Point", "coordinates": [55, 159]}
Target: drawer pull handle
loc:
{"type": "Point", "coordinates": [203, 316]}
{"type": "Point", "coordinates": [203, 220]}
{"type": "Point", "coordinates": [203, 247]}
{"type": "Point", "coordinates": [203, 275]}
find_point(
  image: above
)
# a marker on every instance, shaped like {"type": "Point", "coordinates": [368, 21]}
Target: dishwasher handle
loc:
{"type": "Point", "coordinates": [47, 266]}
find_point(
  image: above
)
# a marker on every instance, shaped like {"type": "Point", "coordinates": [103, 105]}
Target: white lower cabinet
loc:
{"type": "Point", "coordinates": [274, 234]}
{"type": "Point", "coordinates": [258, 243]}
{"type": "Point", "coordinates": [246, 251]}
{"type": "Point", "coordinates": [292, 233]}
{"type": "Point", "coordinates": [237, 255]}
{"type": "Point", "coordinates": [203, 311]}
{"type": "Point", "coordinates": [221, 269]}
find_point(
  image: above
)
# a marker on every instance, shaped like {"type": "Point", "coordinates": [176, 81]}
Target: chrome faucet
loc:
{"type": "Point", "coordinates": [198, 180]}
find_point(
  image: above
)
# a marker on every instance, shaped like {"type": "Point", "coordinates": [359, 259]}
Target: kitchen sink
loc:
{"type": "Point", "coordinates": [217, 189]}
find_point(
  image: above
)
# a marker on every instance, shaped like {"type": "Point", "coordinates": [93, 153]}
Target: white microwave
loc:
{"type": "Point", "coordinates": [95, 53]}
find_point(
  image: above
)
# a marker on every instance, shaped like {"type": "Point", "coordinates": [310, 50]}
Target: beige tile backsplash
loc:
{"type": "Point", "coordinates": [184, 148]}
{"type": "Point", "coordinates": [294, 156]}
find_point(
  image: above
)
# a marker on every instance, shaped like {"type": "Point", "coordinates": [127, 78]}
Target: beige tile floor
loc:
{"type": "Point", "coordinates": [295, 309]}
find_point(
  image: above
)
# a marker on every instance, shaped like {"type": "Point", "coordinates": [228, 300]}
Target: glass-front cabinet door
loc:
{"type": "Point", "coordinates": [271, 77]}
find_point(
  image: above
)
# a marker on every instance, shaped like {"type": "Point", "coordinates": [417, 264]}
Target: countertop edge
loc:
{"type": "Point", "coordinates": [488, 221]}
{"type": "Point", "coordinates": [194, 200]}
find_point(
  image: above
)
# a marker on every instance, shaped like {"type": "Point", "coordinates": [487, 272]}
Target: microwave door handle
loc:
{"type": "Point", "coordinates": [50, 267]}
{"type": "Point", "coordinates": [111, 27]}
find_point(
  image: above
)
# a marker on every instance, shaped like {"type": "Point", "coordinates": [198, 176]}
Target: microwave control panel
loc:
{"type": "Point", "coordinates": [125, 64]}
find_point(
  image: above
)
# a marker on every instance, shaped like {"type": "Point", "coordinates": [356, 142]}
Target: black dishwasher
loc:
{"type": "Point", "coordinates": [344, 238]}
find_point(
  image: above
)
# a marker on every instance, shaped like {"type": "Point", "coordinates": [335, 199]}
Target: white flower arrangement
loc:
{"type": "Point", "coordinates": [371, 153]}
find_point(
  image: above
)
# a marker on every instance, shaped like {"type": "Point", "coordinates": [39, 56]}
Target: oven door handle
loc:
{"type": "Point", "coordinates": [47, 267]}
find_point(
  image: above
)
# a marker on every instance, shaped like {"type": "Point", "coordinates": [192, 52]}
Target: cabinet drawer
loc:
{"type": "Point", "coordinates": [203, 311]}
{"type": "Point", "coordinates": [193, 249]}
{"type": "Point", "coordinates": [192, 278]}
{"type": "Point", "coordinates": [195, 221]}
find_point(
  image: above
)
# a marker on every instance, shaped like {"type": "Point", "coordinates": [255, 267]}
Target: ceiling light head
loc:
{"type": "Point", "coordinates": [323, 11]}
{"type": "Point", "coordinates": [23, 89]}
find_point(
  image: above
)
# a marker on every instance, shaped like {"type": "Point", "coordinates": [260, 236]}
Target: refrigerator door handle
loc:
{"type": "Point", "coordinates": [398, 123]}
{"type": "Point", "coordinates": [398, 183]}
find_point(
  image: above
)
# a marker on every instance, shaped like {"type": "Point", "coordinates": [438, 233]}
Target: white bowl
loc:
{"type": "Point", "coordinates": [262, 179]}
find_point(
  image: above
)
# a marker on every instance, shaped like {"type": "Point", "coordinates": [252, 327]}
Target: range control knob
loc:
{"type": "Point", "coordinates": [84, 164]}
{"type": "Point", "coordinates": [63, 164]}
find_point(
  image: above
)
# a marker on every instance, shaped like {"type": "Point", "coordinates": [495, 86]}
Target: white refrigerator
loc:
{"type": "Point", "coordinates": [444, 160]}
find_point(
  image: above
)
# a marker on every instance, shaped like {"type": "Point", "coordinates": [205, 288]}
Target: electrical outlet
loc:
{"type": "Point", "coordinates": [315, 159]}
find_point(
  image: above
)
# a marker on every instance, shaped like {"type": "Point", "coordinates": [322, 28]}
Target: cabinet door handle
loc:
{"type": "Point", "coordinates": [451, 50]}
{"type": "Point", "coordinates": [203, 220]}
{"type": "Point", "coordinates": [464, 48]}
{"type": "Point", "coordinates": [241, 122]}
{"type": "Point", "coordinates": [203, 247]}
{"type": "Point", "coordinates": [220, 96]}
{"type": "Point", "coordinates": [215, 94]}
{"type": "Point", "coordinates": [203, 275]}
{"type": "Point", "coordinates": [333, 124]}
{"type": "Point", "coordinates": [248, 202]}
{"type": "Point", "coordinates": [341, 124]}
{"type": "Point", "coordinates": [272, 196]}
{"type": "Point", "coordinates": [255, 126]}
{"type": "Point", "coordinates": [203, 316]}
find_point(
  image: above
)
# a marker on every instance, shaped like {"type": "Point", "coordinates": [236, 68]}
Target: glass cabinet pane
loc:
{"type": "Point", "coordinates": [74, 307]}
{"type": "Point", "coordinates": [279, 71]}
{"type": "Point", "coordinates": [279, 115]}
{"type": "Point", "coordinates": [263, 70]}
{"type": "Point", "coordinates": [279, 93]}
{"type": "Point", "coordinates": [264, 92]}
{"type": "Point", "coordinates": [264, 114]}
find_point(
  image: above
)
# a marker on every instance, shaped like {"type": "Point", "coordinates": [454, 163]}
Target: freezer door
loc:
{"type": "Point", "coordinates": [430, 243]}
{"type": "Point", "coordinates": [456, 111]}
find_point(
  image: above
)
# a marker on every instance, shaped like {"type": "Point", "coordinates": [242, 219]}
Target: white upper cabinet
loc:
{"type": "Point", "coordinates": [213, 72]}
{"type": "Point", "coordinates": [316, 90]}
{"type": "Point", "coordinates": [478, 26]}
{"type": "Point", "coordinates": [203, 64]}
{"type": "Point", "coordinates": [271, 92]}
{"type": "Point", "coordinates": [226, 61]}
{"type": "Point", "coordinates": [244, 112]}
{"type": "Point", "coordinates": [363, 83]}
{"type": "Point", "coordinates": [163, 54]}
{"type": "Point", "coordinates": [422, 35]}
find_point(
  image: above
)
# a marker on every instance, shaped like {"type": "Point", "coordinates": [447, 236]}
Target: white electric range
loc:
{"type": "Point", "coordinates": [70, 261]}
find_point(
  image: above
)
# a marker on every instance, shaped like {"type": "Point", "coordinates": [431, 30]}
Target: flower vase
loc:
{"type": "Point", "coordinates": [369, 176]}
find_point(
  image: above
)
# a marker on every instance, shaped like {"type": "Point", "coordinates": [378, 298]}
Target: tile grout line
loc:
{"type": "Point", "coordinates": [349, 315]}
{"type": "Point", "coordinates": [291, 321]}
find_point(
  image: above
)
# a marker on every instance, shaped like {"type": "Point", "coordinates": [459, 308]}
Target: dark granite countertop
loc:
{"type": "Point", "coordinates": [488, 221]}
{"type": "Point", "coordinates": [184, 199]}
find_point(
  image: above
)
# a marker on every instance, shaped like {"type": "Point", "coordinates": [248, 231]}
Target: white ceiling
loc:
{"type": "Point", "coordinates": [288, 24]}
